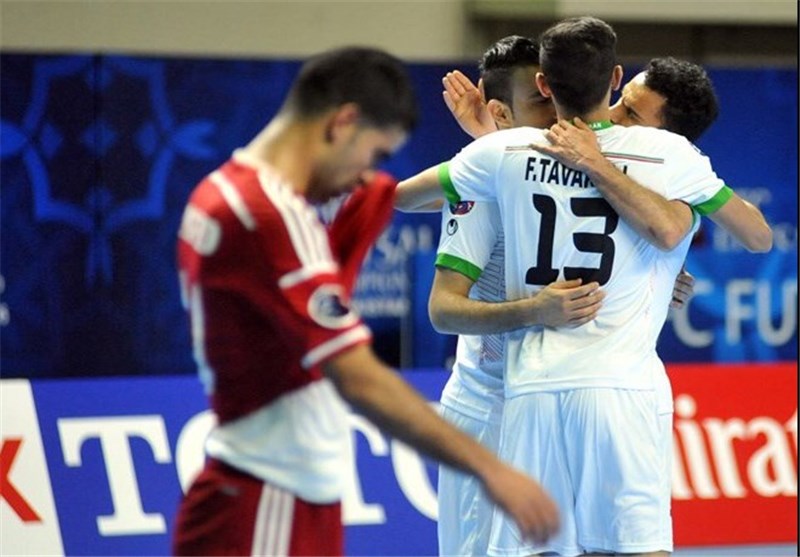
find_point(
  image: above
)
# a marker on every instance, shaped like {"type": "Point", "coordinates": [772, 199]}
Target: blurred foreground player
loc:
{"type": "Point", "coordinates": [275, 340]}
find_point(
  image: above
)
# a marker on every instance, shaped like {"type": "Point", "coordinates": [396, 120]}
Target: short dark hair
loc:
{"type": "Point", "coordinates": [578, 56]}
{"type": "Point", "coordinates": [691, 104]}
{"type": "Point", "coordinates": [499, 62]}
{"type": "Point", "coordinates": [373, 79]}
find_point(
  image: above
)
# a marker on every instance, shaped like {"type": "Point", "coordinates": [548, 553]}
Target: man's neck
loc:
{"type": "Point", "coordinates": [600, 113]}
{"type": "Point", "coordinates": [594, 116]}
{"type": "Point", "coordinates": [601, 116]}
{"type": "Point", "coordinates": [288, 147]}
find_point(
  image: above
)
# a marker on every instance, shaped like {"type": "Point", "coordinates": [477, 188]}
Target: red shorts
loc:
{"type": "Point", "coordinates": [227, 512]}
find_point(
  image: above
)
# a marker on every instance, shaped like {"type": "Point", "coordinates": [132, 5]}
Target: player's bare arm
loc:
{"type": "Point", "coordinates": [384, 398]}
{"type": "Point", "coordinates": [739, 217]}
{"type": "Point", "coordinates": [745, 222]}
{"type": "Point", "coordinates": [562, 303]}
{"type": "Point", "coordinates": [420, 193]}
{"type": "Point", "coordinates": [578, 146]}
{"type": "Point", "coordinates": [465, 102]}
{"type": "Point", "coordinates": [661, 222]}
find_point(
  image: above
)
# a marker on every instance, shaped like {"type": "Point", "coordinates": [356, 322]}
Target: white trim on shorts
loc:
{"type": "Point", "coordinates": [272, 531]}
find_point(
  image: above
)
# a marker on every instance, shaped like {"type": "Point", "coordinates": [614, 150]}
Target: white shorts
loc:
{"type": "Point", "coordinates": [604, 456]}
{"type": "Point", "coordinates": [465, 513]}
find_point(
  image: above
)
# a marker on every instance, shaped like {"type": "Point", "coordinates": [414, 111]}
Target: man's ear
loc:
{"type": "Point", "coordinates": [616, 78]}
{"type": "Point", "coordinates": [541, 84]}
{"type": "Point", "coordinates": [501, 114]}
{"type": "Point", "coordinates": [343, 118]}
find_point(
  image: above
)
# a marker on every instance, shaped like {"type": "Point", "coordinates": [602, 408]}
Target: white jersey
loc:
{"type": "Point", "coordinates": [471, 243]}
{"type": "Point", "coordinates": [558, 226]}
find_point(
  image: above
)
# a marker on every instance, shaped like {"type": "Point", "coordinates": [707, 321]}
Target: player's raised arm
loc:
{"type": "Point", "coordinates": [466, 104]}
{"type": "Point", "coordinates": [420, 193]}
{"type": "Point", "coordinates": [576, 146]}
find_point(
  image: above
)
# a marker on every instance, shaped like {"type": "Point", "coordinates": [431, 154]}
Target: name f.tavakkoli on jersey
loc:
{"type": "Point", "coordinates": [550, 171]}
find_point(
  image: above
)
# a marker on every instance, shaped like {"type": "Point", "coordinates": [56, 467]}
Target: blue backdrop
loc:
{"type": "Point", "coordinates": [99, 154]}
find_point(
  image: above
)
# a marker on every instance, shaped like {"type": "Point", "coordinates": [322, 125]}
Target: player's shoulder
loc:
{"type": "Point", "coordinates": [522, 134]}
{"type": "Point", "coordinates": [255, 197]}
{"type": "Point", "coordinates": [656, 135]}
{"type": "Point", "coordinates": [509, 137]}
{"type": "Point", "coordinates": [653, 141]}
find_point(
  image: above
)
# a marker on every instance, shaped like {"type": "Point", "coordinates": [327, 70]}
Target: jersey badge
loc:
{"type": "Point", "coordinates": [461, 208]}
{"type": "Point", "coordinates": [200, 231]}
{"type": "Point", "coordinates": [452, 227]}
{"type": "Point", "coordinates": [326, 307]}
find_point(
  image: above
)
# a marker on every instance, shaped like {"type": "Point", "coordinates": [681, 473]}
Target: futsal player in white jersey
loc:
{"type": "Point", "coordinates": [671, 94]}
{"type": "Point", "coordinates": [579, 399]}
{"type": "Point", "coordinates": [471, 248]}
{"type": "Point", "coordinates": [468, 284]}
{"type": "Point", "coordinates": [470, 265]}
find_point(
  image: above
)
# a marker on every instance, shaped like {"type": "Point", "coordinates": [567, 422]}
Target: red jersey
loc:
{"type": "Point", "coordinates": [267, 307]}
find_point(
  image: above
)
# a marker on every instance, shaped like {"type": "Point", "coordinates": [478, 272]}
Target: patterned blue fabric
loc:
{"type": "Point", "coordinates": [99, 154]}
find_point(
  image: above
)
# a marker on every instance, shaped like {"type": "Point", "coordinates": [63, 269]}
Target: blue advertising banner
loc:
{"type": "Point", "coordinates": [97, 466]}
{"type": "Point", "coordinates": [117, 453]}
{"type": "Point", "coordinates": [99, 154]}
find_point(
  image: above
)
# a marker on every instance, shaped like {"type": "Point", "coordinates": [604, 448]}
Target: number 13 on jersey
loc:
{"type": "Point", "coordinates": [601, 243]}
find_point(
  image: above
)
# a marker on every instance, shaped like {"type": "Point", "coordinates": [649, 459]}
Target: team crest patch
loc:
{"type": "Point", "coordinates": [200, 231]}
{"type": "Point", "coordinates": [461, 208]}
{"type": "Point", "coordinates": [326, 307]}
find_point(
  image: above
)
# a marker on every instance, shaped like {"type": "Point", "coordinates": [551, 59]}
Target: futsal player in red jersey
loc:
{"type": "Point", "coordinates": [279, 350]}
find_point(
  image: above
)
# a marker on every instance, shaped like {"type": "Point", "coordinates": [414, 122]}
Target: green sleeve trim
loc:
{"type": "Point", "coordinates": [446, 183]}
{"type": "Point", "coordinates": [713, 204]}
{"type": "Point", "coordinates": [469, 270]}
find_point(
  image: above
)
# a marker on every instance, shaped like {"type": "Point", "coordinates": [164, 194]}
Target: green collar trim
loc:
{"type": "Point", "coordinates": [601, 125]}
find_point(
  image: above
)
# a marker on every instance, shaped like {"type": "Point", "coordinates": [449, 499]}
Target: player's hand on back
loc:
{"type": "Point", "coordinates": [466, 104]}
{"type": "Point", "coordinates": [572, 143]}
{"type": "Point", "coordinates": [567, 303]}
{"type": "Point", "coordinates": [524, 501]}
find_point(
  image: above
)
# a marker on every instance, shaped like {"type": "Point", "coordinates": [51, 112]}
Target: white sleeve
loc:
{"type": "Point", "coordinates": [691, 177]}
{"type": "Point", "coordinates": [470, 174]}
{"type": "Point", "coordinates": [470, 231]}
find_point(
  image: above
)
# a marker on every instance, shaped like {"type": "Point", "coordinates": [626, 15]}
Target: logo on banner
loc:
{"type": "Point", "coordinates": [28, 516]}
{"type": "Point", "coordinates": [734, 458]}
{"type": "Point", "coordinates": [734, 453]}
{"type": "Point", "coordinates": [8, 491]}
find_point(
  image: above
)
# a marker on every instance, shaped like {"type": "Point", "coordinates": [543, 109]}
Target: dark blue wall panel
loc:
{"type": "Point", "coordinates": [99, 154]}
